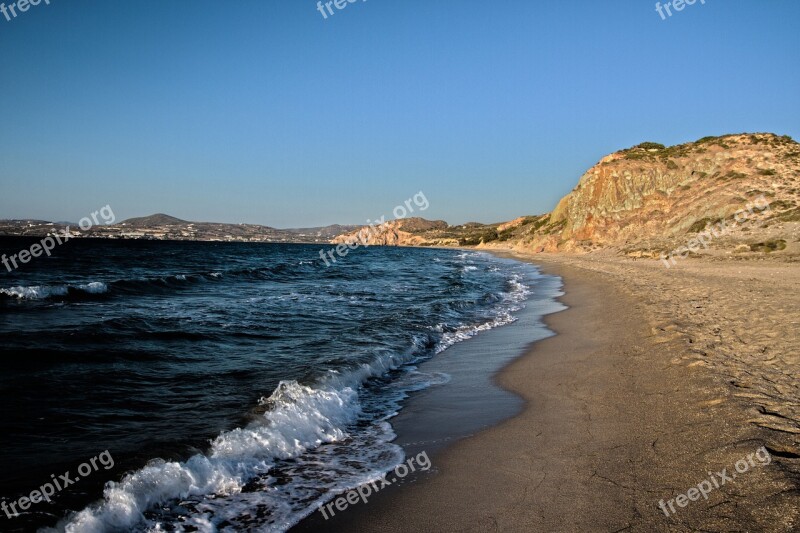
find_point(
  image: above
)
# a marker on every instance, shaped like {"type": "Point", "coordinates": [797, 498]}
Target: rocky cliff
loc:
{"type": "Point", "coordinates": [652, 192]}
{"type": "Point", "coordinates": [742, 190]}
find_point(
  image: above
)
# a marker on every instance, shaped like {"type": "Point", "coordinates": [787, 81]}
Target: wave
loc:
{"type": "Point", "coordinates": [79, 292]}
{"type": "Point", "coordinates": [148, 285]}
{"type": "Point", "coordinates": [45, 292]}
{"type": "Point", "coordinates": [511, 300]}
{"type": "Point", "coordinates": [297, 418]}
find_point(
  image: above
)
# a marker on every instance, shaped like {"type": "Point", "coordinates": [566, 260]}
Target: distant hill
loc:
{"type": "Point", "coordinates": [165, 227]}
{"type": "Point", "coordinates": [159, 219]}
{"type": "Point", "coordinates": [162, 226]}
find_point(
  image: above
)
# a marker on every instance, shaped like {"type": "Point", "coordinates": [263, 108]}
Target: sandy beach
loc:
{"type": "Point", "coordinates": [657, 381]}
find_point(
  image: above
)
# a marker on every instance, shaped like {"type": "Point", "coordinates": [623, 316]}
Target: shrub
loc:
{"type": "Point", "coordinates": [541, 221]}
{"type": "Point", "coordinates": [474, 239]}
{"type": "Point", "coordinates": [650, 146]}
{"type": "Point", "coordinates": [769, 246]}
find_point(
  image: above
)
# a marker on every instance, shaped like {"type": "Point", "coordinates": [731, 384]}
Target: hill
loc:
{"type": "Point", "coordinates": [738, 194]}
{"type": "Point", "coordinates": [158, 219]}
{"type": "Point", "coordinates": [742, 191]}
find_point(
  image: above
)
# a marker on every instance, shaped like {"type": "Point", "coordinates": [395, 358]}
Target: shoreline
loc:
{"type": "Point", "coordinates": [616, 419]}
{"type": "Point", "coordinates": [470, 400]}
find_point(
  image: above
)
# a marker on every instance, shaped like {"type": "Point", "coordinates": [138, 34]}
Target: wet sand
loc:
{"type": "Point", "coordinates": [655, 380]}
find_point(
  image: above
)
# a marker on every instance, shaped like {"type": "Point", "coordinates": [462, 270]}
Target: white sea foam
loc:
{"type": "Point", "coordinates": [511, 301]}
{"type": "Point", "coordinates": [42, 292]}
{"type": "Point", "coordinates": [298, 418]}
{"type": "Point", "coordinates": [94, 287]}
{"type": "Point", "coordinates": [34, 293]}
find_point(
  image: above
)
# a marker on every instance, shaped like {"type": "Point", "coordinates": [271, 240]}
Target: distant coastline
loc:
{"type": "Point", "coordinates": [166, 228]}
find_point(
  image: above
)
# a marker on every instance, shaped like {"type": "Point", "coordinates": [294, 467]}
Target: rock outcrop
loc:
{"type": "Point", "coordinates": [401, 232]}
{"type": "Point", "coordinates": [651, 191]}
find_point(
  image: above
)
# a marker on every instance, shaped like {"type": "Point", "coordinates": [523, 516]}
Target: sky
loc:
{"type": "Point", "coordinates": [265, 112]}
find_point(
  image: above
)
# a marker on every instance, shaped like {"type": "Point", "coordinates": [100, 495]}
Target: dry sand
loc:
{"type": "Point", "coordinates": [656, 378]}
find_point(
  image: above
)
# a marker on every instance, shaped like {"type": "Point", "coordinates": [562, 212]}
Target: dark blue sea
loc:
{"type": "Point", "coordinates": [237, 386]}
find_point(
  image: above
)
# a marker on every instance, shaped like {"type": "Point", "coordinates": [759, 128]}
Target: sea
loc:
{"type": "Point", "coordinates": [237, 386]}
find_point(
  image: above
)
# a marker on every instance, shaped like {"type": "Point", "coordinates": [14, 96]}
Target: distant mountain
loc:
{"type": "Point", "coordinates": [159, 219]}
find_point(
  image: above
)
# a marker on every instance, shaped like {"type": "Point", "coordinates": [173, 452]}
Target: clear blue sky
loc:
{"type": "Point", "coordinates": [262, 111]}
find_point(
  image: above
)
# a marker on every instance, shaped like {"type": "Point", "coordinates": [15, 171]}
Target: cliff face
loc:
{"type": "Point", "coordinates": [648, 199]}
{"type": "Point", "coordinates": [651, 191]}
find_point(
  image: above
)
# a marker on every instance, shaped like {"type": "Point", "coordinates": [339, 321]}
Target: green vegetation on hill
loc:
{"type": "Point", "coordinates": [652, 151]}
